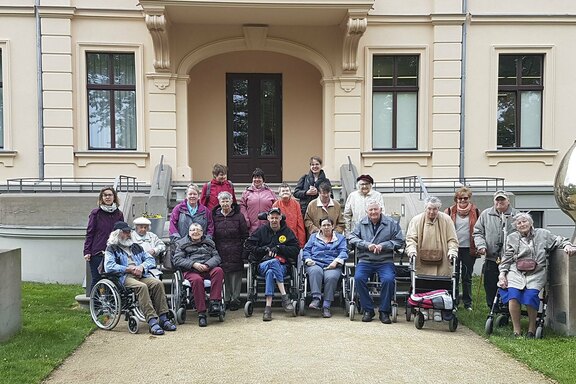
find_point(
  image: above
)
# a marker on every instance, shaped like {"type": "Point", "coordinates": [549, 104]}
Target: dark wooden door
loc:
{"type": "Point", "coordinates": [254, 125]}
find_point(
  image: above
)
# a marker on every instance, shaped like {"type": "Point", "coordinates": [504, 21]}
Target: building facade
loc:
{"type": "Point", "coordinates": [439, 89]}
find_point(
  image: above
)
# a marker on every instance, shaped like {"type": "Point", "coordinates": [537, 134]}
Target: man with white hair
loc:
{"type": "Point", "coordinates": [129, 260]}
{"type": "Point", "coordinates": [490, 231]}
{"type": "Point", "coordinates": [376, 237]}
{"type": "Point", "coordinates": [147, 239]}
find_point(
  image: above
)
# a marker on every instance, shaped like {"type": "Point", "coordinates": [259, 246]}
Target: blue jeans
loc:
{"type": "Point", "coordinates": [272, 270]}
{"type": "Point", "coordinates": [387, 275]}
{"type": "Point", "coordinates": [330, 276]}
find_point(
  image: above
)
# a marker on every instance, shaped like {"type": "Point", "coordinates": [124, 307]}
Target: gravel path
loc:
{"type": "Point", "coordinates": [306, 349]}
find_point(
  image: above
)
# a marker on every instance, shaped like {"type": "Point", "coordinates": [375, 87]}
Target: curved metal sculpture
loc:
{"type": "Point", "coordinates": [565, 185]}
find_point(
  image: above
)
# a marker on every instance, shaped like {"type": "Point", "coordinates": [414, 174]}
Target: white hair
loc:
{"type": "Point", "coordinates": [372, 201]}
{"type": "Point", "coordinates": [224, 195]}
{"type": "Point", "coordinates": [523, 216]}
{"type": "Point", "coordinates": [434, 201]}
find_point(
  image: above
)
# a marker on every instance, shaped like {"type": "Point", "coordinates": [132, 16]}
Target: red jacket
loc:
{"type": "Point", "coordinates": [215, 188]}
{"type": "Point", "coordinates": [294, 220]}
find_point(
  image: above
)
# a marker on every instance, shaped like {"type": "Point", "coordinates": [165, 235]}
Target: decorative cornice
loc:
{"type": "Point", "coordinates": [523, 19]}
{"type": "Point", "coordinates": [354, 27]}
{"type": "Point", "coordinates": [157, 23]}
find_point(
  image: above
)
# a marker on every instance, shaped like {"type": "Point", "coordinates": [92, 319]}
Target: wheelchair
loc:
{"type": "Point", "coordinates": [110, 300]}
{"type": "Point", "coordinates": [182, 299]}
{"type": "Point", "coordinates": [254, 280]}
{"type": "Point", "coordinates": [402, 278]}
{"type": "Point", "coordinates": [342, 293]}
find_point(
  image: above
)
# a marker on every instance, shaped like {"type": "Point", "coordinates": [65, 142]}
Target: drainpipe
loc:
{"type": "Point", "coordinates": [463, 89]}
{"type": "Point", "coordinates": [39, 90]}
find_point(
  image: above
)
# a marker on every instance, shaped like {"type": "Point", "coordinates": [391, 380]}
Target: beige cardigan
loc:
{"type": "Point", "coordinates": [439, 234]}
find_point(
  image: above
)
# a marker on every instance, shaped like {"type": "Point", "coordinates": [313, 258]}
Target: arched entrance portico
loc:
{"type": "Point", "coordinates": [306, 103]}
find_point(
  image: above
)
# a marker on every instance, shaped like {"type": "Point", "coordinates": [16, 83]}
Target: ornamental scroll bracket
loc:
{"type": "Point", "coordinates": [157, 23]}
{"type": "Point", "coordinates": [354, 27]}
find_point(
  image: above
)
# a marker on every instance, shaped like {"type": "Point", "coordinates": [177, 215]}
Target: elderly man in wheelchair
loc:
{"type": "Point", "coordinates": [128, 260]}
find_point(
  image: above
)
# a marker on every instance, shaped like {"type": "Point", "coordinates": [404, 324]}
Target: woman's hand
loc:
{"type": "Point", "coordinates": [332, 265]}
{"type": "Point", "coordinates": [87, 257]}
{"type": "Point", "coordinates": [502, 281]}
{"type": "Point", "coordinates": [309, 262]}
{"type": "Point", "coordinates": [312, 191]}
{"type": "Point", "coordinates": [570, 250]}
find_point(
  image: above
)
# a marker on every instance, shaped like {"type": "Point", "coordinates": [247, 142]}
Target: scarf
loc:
{"type": "Point", "coordinates": [109, 208]}
{"type": "Point", "coordinates": [473, 213]}
{"type": "Point", "coordinates": [192, 210]}
{"type": "Point", "coordinates": [464, 212]}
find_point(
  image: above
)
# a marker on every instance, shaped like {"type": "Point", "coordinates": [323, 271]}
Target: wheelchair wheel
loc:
{"type": "Point", "coordinates": [105, 305]}
{"type": "Point", "coordinates": [175, 293]}
{"type": "Point", "coordinates": [408, 313]}
{"type": "Point", "coordinates": [133, 324]}
{"type": "Point", "coordinates": [453, 323]}
{"type": "Point", "coordinates": [221, 315]}
{"type": "Point", "coordinates": [248, 309]}
{"type": "Point", "coordinates": [302, 307]}
{"type": "Point", "coordinates": [419, 320]}
{"type": "Point", "coordinates": [139, 314]}
{"type": "Point", "coordinates": [489, 327]}
{"type": "Point", "coordinates": [501, 321]}
{"type": "Point", "coordinates": [352, 311]}
{"type": "Point", "coordinates": [181, 315]}
{"type": "Point", "coordinates": [394, 314]}
{"type": "Point", "coordinates": [539, 332]}
{"type": "Point", "coordinates": [294, 308]}
{"type": "Point", "coordinates": [347, 307]}
{"type": "Point", "coordinates": [172, 315]}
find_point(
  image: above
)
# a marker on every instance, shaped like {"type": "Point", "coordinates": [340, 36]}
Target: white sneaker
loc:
{"type": "Point", "coordinates": [437, 316]}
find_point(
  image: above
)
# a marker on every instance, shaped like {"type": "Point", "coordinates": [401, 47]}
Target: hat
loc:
{"type": "Point", "coordinates": [275, 210]}
{"type": "Point", "coordinates": [501, 193]}
{"type": "Point", "coordinates": [122, 226]}
{"type": "Point", "coordinates": [141, 221]}
{"type": "Point", "coordinates": [366, 178]}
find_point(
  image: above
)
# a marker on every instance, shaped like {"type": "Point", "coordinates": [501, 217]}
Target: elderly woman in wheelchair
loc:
{"type": "Point", "coordinates": [196, 256]}
{"type": "Point", "coordinates": [323, 257]}
{"type": "Point", "coordinates": [132, 264]}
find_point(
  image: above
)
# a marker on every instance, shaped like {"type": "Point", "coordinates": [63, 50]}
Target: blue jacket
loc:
{"type": "Point", "coordinates": [116, 260]}
{"type": "Point", "coordinates": [324, 253]}
{"type": "Point", "coordinates": [389, 235]}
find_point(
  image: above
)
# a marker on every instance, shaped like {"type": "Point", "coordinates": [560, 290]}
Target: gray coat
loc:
{"type": "Point", "coordinates": [488, 231]}
{"type": "Point", "coordinates": [389, 235]}
{"type": "Point", "coordinates": [536, 248]}
{"type": "Point", "coordinates": [188, 252]}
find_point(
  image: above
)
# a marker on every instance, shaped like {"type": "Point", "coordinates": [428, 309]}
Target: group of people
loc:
{"type": "Point", "coordinates": [213, 235]}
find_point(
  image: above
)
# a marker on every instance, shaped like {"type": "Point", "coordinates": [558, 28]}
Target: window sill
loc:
{"type": "Point", "coordinates": [111, 157]}
{"type": "Point", "coordinates": [397, 157]}
{"type": "Point", "coordinates": [545, 156]}
{"type": "Point", "coordinates": [7, 157]}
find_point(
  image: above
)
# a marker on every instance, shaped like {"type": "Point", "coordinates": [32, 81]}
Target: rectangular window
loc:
{"type": "Point", "coordinates": [111, 87]}
{"type": "Point", "coordinates": [520, 87]}
{"type": "Point", "coordinates": [395, 102]}
{"type": "Point", "coordinates": [1, 105]}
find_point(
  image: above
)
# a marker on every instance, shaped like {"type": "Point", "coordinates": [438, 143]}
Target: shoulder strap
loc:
{"type": "Point", "coordinates": [207, 196]}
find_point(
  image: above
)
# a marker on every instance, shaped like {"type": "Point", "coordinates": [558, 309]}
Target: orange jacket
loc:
{"type": "Point", "coordinates": [294, 219]}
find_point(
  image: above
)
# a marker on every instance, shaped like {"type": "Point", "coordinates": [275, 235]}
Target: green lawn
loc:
{"type": "Point", "coordinates": [53, 327]}
{"type": "Point", "coordinates": [553, 355]}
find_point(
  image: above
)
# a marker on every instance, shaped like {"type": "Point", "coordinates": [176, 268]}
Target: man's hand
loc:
{"type": "Point", "coordinates": [481, 251]}
{"type": "Point", "coordinates": [152, 252]}
{"type": "Point", "coordinates": [87, 257]}
{"type": "Point", "coordinates": [375, 248]}
{"type": "Point", "coordinates": [200, 267]}
{"type": "Point", "coordinates": [138, 271]}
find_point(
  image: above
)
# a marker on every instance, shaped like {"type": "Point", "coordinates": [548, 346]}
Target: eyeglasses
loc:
{"type": "Point", "coordinates": [464, 198]}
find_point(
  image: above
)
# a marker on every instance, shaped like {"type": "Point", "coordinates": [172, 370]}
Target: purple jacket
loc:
{"type": "Point", "coordinates": [255, 201]}
{"type": "Point", "coordinates": [100, 225]}
{"type": "Point", "coordinates": [180, 220]}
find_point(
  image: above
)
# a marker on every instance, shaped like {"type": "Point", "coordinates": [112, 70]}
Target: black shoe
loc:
{"type": "Point", "coordinates": [214, 307]}
{"type": "Point", "coordinates": [530, 335]}
{"type": "Point", "coordinates": [267, 316]}
{"type": "Point", "coordinates": [368, 316]}
{"type": "Point", "coordinates": [385, 318]}
{"type": "Point", "coordinates": [234, 305]}
{"type": "Point", "coordinates": [202, 321]}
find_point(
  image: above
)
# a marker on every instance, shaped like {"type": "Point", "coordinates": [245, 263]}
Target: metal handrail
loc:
{"type": "Point", "coordinates": [425, 185]}
{"type": "Point", "coordinates": [61, 184]}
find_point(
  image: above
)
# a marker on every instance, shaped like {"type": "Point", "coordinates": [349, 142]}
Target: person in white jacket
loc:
{"type": "Point", "coordinates": [147, 239]}
{"type": "Point", "coordinates": [356, 204]}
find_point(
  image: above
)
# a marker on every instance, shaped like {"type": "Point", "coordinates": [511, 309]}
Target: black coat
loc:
{"type": "Point", "coordinates": [230, 232]}
{"type": "Point", "coordinates": [302, 187]}
{"type": "Point", "coordinates": [283, 242]}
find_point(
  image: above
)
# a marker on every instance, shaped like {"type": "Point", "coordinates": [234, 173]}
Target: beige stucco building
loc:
{"type": "Point", "coordinates": [438, 89]}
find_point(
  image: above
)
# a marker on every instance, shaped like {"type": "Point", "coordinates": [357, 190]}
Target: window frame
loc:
{"type": "Point", "coordinates": [395, 89]}
{"type": "Point", "coordinates": [83, 135]}
{"type": "Point", "coordinates": [518, 89]}
{"type": "Point", "coordinates": [2, 123]}
{"type": "Point", "coordinates": [422, 154]}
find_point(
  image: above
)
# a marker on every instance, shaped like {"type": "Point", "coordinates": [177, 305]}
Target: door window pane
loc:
{"type": "Point", "coordinates": [240, 117]}
{"type": "Point", "coordinates": [268, 118]}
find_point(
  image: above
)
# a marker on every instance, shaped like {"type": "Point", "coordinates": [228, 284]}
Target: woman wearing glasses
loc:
{"type": "Point", "coordinates": [100, 223]}
{"type": "Point", "coordinates": [307, 188]}
{"type": "Point", "coordinates": [356, 204]}
{"type": "Point", "coordinates": [464, 215]}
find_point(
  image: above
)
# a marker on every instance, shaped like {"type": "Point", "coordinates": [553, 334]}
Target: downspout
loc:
{"type": "Point", "coordinates": [39, 90]}
{"type": "Point", "coordinates": [463, 89]}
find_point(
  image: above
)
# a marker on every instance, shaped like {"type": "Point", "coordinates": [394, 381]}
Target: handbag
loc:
{"type": "Point", "coordinates": [526, 265]}
{"type": "Point", "coordinates": [430, 256]}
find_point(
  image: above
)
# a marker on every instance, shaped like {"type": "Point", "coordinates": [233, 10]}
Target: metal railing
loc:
{"type": "Point", "coordinates": [77, 184]}
{"type": "Point", "coordinates": [429, 185]}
